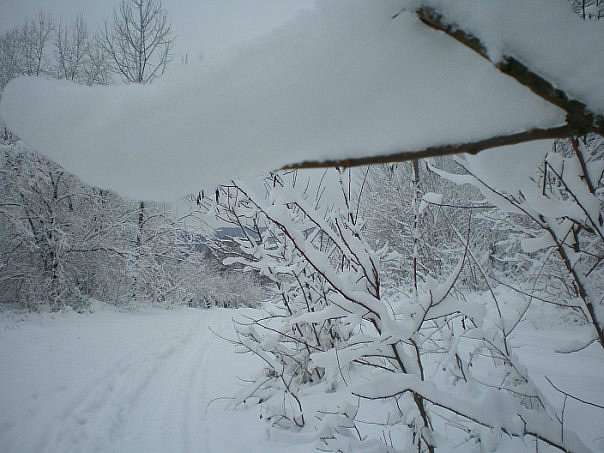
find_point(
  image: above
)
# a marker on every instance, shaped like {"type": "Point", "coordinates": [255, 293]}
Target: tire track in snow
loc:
{"type": "Point", "coordinates": [153, 421]}
{"type": "Point", "coordinates": [193, 402]}
{"type": "Point", "coordinates": [100, 385]}
{"type": "Point", "coordinates": [129, 410]}
{"type": "Point", "coordinates": [100, 414]}
{"type": "Point", "coordinates": [208, 392]}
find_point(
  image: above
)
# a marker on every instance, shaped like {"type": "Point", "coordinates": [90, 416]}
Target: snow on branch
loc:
{"type": "Point", "coordinates": [343, 83]}
{"type": "Point", "coordinates": [580, 120]}
{"type": "Point", "coordinates": [512, 419]}
{"type": "Point", "coordinates": [442, 150]}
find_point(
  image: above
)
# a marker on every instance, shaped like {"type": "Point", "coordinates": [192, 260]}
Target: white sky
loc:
{"type": "Point", "coordinates": [202, 27]}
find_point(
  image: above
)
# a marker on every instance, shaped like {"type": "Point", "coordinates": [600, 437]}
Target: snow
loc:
{"type": "Point", "coordinates": [510, 168]}
{"type": "Point", "coordinates": [581, 374]}
{"type": "Point", "coordinates": [151, 381]}
{"type": "Point", "coordinates": [343, 80]}
{"type": "Point", "coordinates": [543, 34]}
{"type": "Point", "coordinates": [110, 381]}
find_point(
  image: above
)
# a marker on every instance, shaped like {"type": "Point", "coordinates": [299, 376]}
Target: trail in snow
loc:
{"type": "Point", "coordinates": [124, 382]}
{"type": "Point", "coordinates": [151, 381]}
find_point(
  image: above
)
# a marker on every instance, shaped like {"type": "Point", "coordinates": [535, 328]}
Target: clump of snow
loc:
{"type": "Point", "coordinates": [430, 198]}
{"type": "Point", "coordinates": [344, 80]}
{"type": "Point", "coordinates": [510, 168]}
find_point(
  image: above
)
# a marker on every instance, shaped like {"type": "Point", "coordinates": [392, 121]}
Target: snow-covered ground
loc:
{"type": "Point", "coordinates": [148, 381]}
{"type": "Point", "coordinates": [580, 374]}
{"type": "Point", "coordinates": [124, 382]}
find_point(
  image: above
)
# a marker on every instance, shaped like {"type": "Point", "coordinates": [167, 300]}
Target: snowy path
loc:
{"type": "Point", "coordinates": [142, 382]}
{"type": "Point", "coordinates": [124, 382]}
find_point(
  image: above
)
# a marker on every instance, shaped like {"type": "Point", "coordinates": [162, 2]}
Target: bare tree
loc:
{"type": "Point", "coordinates": [35, 37]}
{"type": "Point", "coordinates": [71, 47]}
{"type": "Point", "coordinates": [97, 65]}
{"type": "Point", "coordinates": [138, 40]}
{"type": "Point", "coordinates": [10, 56]}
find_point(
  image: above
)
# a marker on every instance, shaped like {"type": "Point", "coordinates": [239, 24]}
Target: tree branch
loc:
{"type": "Point", "coordinates": [441, 150]}
{"type": "Point", "coordinates": [580, 119]}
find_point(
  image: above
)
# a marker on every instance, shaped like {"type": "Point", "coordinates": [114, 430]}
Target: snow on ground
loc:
{"type": "Point", "coordinates": [146, 381]}
{"type": "Point", "coordinates": [580, 374]}
{"type": "Point", "coordinates": [124, 382]}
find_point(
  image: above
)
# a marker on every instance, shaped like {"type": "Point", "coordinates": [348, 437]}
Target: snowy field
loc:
{"type": "Point", "coordinates": [146, 381]}
{"type": "Point", "coordinates": [124, 382]}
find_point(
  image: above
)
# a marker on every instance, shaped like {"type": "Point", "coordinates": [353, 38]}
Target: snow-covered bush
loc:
{"type": "Point", "coordinates": [339, 354]}
{"type": "Point", "coordinates": [553, 212]}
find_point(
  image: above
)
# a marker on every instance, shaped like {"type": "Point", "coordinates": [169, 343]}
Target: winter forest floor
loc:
{"type": "Point", "coordinates": [147, 381]}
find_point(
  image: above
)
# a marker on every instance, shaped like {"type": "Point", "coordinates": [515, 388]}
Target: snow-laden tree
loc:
{"type": "Point", "coordinates": [62, 238]}
{"type": "Point", "coordinates": [392, 214]}
{"type": "Point", "coordinates": [9, 57]}
{"type": "Point", "coordinates": [36, 36]}
{"type": "Point", "coordinates": [589, 9]}
{"type": "Point", "coordinates": [24, 50]}
{"type": "Point", "coordinates": [64, 242]}
{"type": "Point", "coordinates": [342, 357]}
{"type": "Point", "coordinates": [557, 214]}
{"type": "Point", "coordinates": [97, 68]}
{"type": "Point", "coordinates": [65, 51]}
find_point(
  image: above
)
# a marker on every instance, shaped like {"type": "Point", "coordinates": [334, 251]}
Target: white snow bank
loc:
{"type": "Point", "coordinates": [345, 80]}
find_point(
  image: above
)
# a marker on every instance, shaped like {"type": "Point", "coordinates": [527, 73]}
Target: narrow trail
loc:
{"type": "Point", "coordinates": [135, 403]}
{"type": "Point", "coordinates": [125, 382]}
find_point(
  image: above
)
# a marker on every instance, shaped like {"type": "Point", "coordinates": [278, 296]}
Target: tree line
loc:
{"type": "Point", "coordinates": [64, 242]}
{"type": "Point", "coordinates": [134, 45]}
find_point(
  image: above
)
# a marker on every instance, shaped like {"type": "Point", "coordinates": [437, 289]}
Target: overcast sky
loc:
{"type": "Point", "coordinates": [207, 27]}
